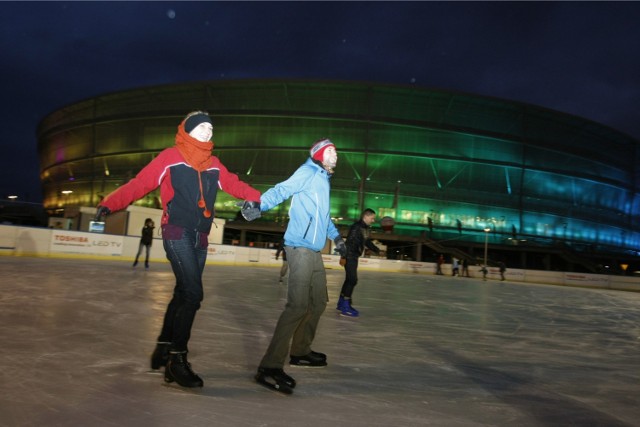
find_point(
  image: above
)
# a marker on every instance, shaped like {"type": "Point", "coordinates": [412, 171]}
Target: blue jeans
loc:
{"type": "Point", "coordinates": [146, 260]}
{"type": "Point", "coordinates": [306, 301]}
{"type": "Point", "coordinates": [187, 256]}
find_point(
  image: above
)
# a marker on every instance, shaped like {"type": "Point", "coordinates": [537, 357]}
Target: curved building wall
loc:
{"type": "Point", "coordinates": [409, 153]}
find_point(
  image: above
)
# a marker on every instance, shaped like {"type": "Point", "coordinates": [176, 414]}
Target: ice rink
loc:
{"type": "Point", "coordinates": [426, 351]}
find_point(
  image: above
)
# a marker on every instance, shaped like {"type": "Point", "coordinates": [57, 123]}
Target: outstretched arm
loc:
{"type": "Point", "coordinates": [231, 184]}
{"type": "Point", "coordinates": [373, 248]}
{"type": "Point", "coordinates": [148, 179]}
{"type": "Point", "coordinates": [284, 190]}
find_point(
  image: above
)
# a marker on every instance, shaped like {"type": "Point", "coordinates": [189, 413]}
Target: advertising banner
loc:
{"type": "Point", "coordinates": [86, 243]}
{"type": "Point", "coordinates": [420, 267]}
{"type": "Point", "coordinates": [221, 253]}
{"type": "Point", "coordinates": [331, 261]}
{"type": "Point", "coordinates": [580, 279]}
{"type": "Point", "coordinates": [369, 263]}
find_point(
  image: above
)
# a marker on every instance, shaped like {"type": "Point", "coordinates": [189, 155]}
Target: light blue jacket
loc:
{"type": "Point", "coordinates": [309, 215]}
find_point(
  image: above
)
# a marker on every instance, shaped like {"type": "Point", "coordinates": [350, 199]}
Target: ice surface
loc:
{"type": "Point", "coordinates": [426, 351]}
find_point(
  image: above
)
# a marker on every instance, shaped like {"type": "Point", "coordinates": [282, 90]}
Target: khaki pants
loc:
{"type": "Point", "coordinates": [306, 301]}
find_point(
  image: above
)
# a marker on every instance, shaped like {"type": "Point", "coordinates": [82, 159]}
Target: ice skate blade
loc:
{"type": "Point", "coordinates": [306, 366]}
{"type": "Point", "coordinates": [169, 379]}
{"type": "Point", "coordinates": [348, 315]}
{"type": "Point", "coordinates": [175, 386]}
{"type": "Point", "coordinates": [280, 388]}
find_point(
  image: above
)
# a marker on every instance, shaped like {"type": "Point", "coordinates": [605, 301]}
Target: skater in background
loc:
{"type": "Point", "coordinates": [306, 235]}
{"type": "Point", "coordinates": [502, 266]}
{"type": "Point", "coordinates": [145, 241]}
{"type": "Point", "coordinates": [465, 268]}
{"type": "Point", "coordinates": [285, 265]}
{"type": "Point", "coordinates": [189, 177]}
{"type": "Point", "coordinates": [484, 271]}
{"type": "Point", "coordinates": [455, 266]}
{"type": "Point", "coordinates": [357, 240]}
{"type": "Point", "coordinates": [439, 263]}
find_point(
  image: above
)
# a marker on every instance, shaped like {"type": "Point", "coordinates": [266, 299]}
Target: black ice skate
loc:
{"type": "Point", "coordinates": [311, 360]}
{"type": "Point", "coordinates": [160, 355]}
{"type": "Point", "coordinates": [275, 379]}
{"type": "Point", "coordinates": [179, 370]}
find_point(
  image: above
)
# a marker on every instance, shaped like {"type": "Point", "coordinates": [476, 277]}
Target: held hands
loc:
{"type": "Point", "coordinates": [101, 212]}
{"type": "Point", "coordinates": [250, 210]}
{"type": "Point", "coordinates": [341, 248]}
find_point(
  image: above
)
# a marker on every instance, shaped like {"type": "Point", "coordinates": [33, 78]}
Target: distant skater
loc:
{"type": "Point", "coordinates": [145, 242]}
{"type": "Point", "coordinates": [439, 263]}
{"type": "Point", "coordinates": [465, 268]}
{"type": "Point", "coordinates": [502, 266]}
{"type": "Point", "coordinates": [484, 272]}
{"type": "Point", "coordinates": [357, 240]}
{"type": "Point", "coordinates": [455, 266]}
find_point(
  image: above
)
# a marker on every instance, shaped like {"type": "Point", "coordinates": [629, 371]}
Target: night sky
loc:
{"type": "Point", "coordinates": [581, 58]}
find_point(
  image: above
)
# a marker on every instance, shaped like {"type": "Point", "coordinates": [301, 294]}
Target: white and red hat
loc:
{"type": "Point", "coordinates": [317, 149]}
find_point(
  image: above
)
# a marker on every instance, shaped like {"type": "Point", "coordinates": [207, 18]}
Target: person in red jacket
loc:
{"type": "Point", "coordinates": [189, 177]}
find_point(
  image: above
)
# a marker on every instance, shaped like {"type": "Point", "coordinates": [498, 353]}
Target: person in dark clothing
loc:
{"type": "Point", "coordinates": [189, 177]}
{"type": "Point", "coordinates": [503, 267]}
{"type": "Point", "coordinates": [465, 268]}
{"type": "Point", "coordinates": [484, 272]}
{"type": "Point", "coordinates": [357, 240]}
{"type": "Point", "coordinates": [145, 242]}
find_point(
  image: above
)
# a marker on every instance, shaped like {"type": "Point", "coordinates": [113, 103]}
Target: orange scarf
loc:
{"type": "Point", "coordinates": [198, 155]}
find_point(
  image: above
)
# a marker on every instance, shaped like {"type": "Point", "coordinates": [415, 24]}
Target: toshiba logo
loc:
{"type": "Point", "coordinates": [67, 238]}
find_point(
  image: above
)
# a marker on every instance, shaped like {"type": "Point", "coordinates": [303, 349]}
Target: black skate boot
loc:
{"type": "Point", "coordinates": [312, 360]}
{"type": "Point", "coordinates": [275, 379]}
{"type": "Point", "coordinates": [160, 355]}
{"type": "Point", "coordinates": [179, 370]}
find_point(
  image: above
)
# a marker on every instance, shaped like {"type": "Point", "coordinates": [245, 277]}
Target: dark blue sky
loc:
{"type": "Point", "coordinates": [581, 58]}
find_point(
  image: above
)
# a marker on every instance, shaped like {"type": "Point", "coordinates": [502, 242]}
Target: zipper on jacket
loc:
{"type": "Point", "coordinates": [307, 230]}
{"type": "Point", "coordinates": [315, 229]}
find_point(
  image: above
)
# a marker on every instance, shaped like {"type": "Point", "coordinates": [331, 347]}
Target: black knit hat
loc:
{"type": "Point", "coordinates": [193, 121]}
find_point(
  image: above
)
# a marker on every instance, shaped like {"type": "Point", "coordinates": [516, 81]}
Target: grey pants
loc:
{"type": "Point", "coordinates": [284, 269]}
{"type": "Point", "coordinates": [306, 301]}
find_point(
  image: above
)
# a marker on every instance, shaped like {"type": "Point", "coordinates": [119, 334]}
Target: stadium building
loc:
{"type": "Point", "coordinates": [449, 172]}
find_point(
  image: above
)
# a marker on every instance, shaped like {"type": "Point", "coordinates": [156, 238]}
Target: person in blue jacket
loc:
{"type": "Point", "coordinates": [309, 227]}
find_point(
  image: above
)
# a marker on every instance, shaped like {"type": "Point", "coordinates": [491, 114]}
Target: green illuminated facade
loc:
{"type": "Point", "coordinates": [409, 153]}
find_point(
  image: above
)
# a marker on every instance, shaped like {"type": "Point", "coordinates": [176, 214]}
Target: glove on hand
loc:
{"type": "Point", "coordinates": [250, 210]}
{"type": "Point", "coordinates": [101, 212]}
{"type": "Point", "coordinates": [341, 248]}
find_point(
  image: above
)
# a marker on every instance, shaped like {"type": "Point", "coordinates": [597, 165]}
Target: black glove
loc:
{"type": "Point", "coordinates": [101, 212]}
{"type": "Point", "coordinates": [250, 210]}
{"type": "Point", "coordinates": [341, 248]}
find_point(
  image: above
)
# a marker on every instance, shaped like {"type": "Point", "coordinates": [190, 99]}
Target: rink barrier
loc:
{"type": "Point", "coordinates": [53, 243]}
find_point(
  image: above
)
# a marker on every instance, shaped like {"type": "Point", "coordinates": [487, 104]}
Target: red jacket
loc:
{"type": "Point", "coordinates": [180, 189]}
